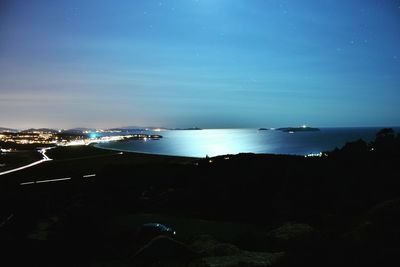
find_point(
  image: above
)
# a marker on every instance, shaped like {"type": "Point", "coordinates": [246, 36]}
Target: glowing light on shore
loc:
{"type": "Point", "coordinates": [320, 154]}
{"type": "Point", "coordinates": [75, 143]}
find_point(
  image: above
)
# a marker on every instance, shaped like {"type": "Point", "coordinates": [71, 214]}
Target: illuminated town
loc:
{"type": "Point", "coordinates": [64, 138]}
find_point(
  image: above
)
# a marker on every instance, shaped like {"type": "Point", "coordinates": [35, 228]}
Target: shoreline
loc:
{"type": "Point", "coordinates": [143, 153]}
{"type": "Point", "coordinates": [188, 157]}
{"type": "Point", "coordinates": [306, 143]}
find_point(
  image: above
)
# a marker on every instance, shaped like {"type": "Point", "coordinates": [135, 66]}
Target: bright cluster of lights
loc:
{"type": "Point", "coordinates": [102, 131]}
{"type": "Point", "coordinates": [158, 130]}
{"type": "Point", "coordinates": [47, 138]}
{"type": "Point", "coordinates": [94, 138]}
{"type": "Point", "coordinates": [29, 138]}
{"type": "Point", "coordinates": [320, 154]}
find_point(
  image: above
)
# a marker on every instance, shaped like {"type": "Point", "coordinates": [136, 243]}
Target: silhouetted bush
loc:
{"type": "Point", "coordinates": [386, 142]}
{"type": "Point", "coordinates": [358, 147]}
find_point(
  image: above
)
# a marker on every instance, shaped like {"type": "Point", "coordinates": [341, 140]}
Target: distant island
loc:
{"type": "Point", "coordinates": [141, 137]}
{"type": "Point", "coordinates": [298, 129]}
{"type": "Point", "coordinates": [262, 129]}
{"type": "Point", "coordinates": [187, 129]}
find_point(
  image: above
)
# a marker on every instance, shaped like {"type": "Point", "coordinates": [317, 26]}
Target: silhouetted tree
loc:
{"type": "Point", "coordinates": [385, 141]}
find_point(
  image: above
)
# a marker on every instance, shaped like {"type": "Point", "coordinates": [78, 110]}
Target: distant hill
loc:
{"type": "Point", "coordinates": [142, 128]}
{"type": "Point", "coordinates": [45, 130]}
{"type": "Point", "coordinates": [137, 128]}
{"type": "Point", "coordinates": [298, 129]}
{"type": "Point", "coordinates": [125, 128]}
{"type": "Point", "coordinates": [79, 130]}
{"type": "Point", "coordinates": [187, 129]}
{"type": "Point", "coordinates": [7, 130]}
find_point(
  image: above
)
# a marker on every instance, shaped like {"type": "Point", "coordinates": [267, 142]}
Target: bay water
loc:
{"type": "Point", "coordinates": [214, 142]}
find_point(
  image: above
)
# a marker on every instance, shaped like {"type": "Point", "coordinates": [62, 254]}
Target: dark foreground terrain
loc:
{"type": "Point", "coordinates": [342, 209]}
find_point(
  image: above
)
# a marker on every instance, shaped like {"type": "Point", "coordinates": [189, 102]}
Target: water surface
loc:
{"type": "Point", "coordinates": [213, 142]}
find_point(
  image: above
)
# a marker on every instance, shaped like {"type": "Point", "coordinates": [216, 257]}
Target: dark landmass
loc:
{"type": "Point", "coordinates": [42, 130]}
{"type": "Point", "coordinates": [14, 159]}
{"type": "Point", "coordinates": [7, 130]}
{"type": "Point", "coordinates": [127, 129]}
{"type": "Point", "coordinates": [78, 130]}
{"type": "Point", "coordinates": [342, 209]}
{"type": "Point", "coordinates": [136, 129]}
{"type": "Point", "coordinates": [142, 137]}
{"type": "Point", "coordinates": [71, 135]}
{"type": "Point", "coordinates": [185, 129]}
{"type": "Point", "coordinates": [262, 129]}
{"type": "Point", "coordinates": [298, 129]}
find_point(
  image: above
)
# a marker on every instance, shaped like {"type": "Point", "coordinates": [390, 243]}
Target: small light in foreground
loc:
{"type": "Point", "coordinates": [27, 183]}
{"type": "Point", "coordinates": [320, 154]}
{"type": "Point", "coordinates": [53, 180]}
{"type": "Point", "coordinates": [89, 175]}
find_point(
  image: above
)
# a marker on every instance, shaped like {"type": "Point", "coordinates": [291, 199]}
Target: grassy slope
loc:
{"type": "Point", "coordinates": [261, 191]}
{"type": "Point", "coordinates": [17, 159]}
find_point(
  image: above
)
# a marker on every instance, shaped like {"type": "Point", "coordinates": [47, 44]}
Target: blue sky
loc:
{"type": "Point", "coordinates": [205, 63]}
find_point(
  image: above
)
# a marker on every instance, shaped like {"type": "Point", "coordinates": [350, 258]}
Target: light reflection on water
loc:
{"type": "Point", "coordinates": [212, 142]}
{"type": "Point", "coordinates": [199, 143]}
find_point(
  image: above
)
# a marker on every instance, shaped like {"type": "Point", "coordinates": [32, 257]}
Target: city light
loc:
{"type": "Point", "coordinates": [87, 138]}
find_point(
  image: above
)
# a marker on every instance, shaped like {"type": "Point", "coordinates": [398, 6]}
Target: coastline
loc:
{"type": "Point", "coordinates": [142, 153]}
{"type": "Point", "coordinates": [227, 141]}
{"type": "Point", "coordinates": [231, 199]}
{"type": "Point", "coordinates": [195, 158]}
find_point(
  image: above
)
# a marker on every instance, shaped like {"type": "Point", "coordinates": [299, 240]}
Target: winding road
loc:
{"type": "Point", "coordinates": [44, 159]}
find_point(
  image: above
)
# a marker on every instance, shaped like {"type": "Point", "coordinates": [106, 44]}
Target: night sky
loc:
{"type": "Point", "coordinates": [205, 63]}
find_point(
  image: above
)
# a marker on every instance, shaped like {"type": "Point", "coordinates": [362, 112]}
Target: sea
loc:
{"type": "Point", "coordinates": [215, 142]}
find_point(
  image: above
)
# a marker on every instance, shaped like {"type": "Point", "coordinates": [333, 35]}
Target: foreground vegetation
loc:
{"type": "Point", "coordinates": [236, 210]}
